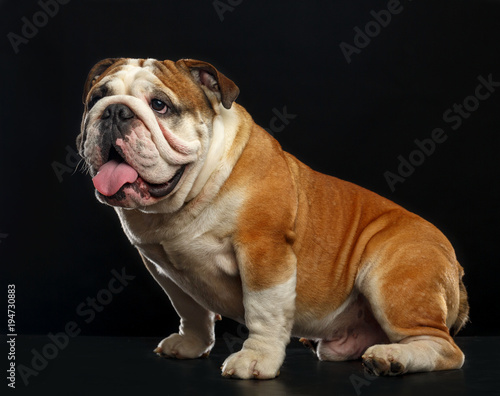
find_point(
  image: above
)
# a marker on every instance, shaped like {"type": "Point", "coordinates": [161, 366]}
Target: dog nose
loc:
{"type": "Point", "coordinates": [117, 112]}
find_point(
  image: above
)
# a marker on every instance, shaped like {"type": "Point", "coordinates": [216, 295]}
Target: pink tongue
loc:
{"type": "Point", "coordinates": [112, 176]}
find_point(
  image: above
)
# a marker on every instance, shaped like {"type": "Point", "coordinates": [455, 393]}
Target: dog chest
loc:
{"type": "Point", "coordinates": [206, 253]}
{"type": "Point", "coordinates": [205, 268]}
{"type": "Point", "coordinates": [197, 255]}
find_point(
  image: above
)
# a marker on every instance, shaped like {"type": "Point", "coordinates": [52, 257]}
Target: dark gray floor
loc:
{"type": "Point", "coordinates": [126, 366]}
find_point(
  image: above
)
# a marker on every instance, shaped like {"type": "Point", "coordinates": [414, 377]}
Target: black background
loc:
{"type": "Point", "coordinates": [58, 245]}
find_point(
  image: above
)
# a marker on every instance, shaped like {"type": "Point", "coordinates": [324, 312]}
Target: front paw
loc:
{"type": "Point", "coordinates": [249, 363]}
{"type": "Point", "coordinates": [183, 347]}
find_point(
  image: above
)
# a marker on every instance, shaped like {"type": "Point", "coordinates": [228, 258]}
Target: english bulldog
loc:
{"type": "Point", "coordinates": [230, 224]}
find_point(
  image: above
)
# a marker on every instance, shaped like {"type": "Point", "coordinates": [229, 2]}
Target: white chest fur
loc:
{"type": "Point", "coordinates": [195, 252]}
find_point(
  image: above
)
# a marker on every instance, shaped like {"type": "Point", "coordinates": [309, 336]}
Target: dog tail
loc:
{"type": "Point", "coordinates": [463, 310]}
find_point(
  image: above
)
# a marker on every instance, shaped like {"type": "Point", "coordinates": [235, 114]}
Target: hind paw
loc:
{"type": "Point", "coordinates": [384, 360]}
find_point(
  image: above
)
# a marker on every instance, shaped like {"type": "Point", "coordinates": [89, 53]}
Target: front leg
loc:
{"type": "Point", "coordinates": [196, 330]}
{"type": "Point", "coordinates": [196, 335]}
{"type": "Point", "coordinates": [269, 302]}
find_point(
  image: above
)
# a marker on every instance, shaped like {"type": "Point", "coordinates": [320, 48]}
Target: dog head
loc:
{"type": "Point", "coordinates": [148, 127]}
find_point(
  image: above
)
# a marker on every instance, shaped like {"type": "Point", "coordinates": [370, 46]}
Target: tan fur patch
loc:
{"type": "Point", "coordinates": [266, 220]}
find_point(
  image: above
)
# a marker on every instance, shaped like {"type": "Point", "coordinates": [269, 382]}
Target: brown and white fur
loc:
{"type": "Point", "coordinates": [251, 233]}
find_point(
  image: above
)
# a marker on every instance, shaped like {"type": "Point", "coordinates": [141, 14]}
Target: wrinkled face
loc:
{"type": "Point", "coordinates": [146, 131]}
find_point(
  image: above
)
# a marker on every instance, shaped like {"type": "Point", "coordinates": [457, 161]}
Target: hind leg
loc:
{"type": "Point", "coordinates": [413, 354]}
{"type": "Point", "coordinates": [415, 298]}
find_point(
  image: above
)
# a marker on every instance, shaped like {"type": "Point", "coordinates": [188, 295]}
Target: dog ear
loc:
{"type": "Point", "coordinates": [207, 75]}
{"type": "Point", "coordinates": [94, 74]}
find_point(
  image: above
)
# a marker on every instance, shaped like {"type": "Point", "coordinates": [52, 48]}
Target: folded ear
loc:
{"type": "Point", "coordinates": [94, 74]}
{"type": "Point", "coordinates": [208, 76]}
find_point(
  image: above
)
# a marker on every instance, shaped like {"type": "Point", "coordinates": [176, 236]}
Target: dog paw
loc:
{"type": "Point", "coordinates": [252, 364]}
{"type": "Point", "coordinates": [384, 360]}
{"type": "Point", "coordinates": [183, 347]}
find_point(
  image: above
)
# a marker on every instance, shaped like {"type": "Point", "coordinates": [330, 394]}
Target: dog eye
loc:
{"type": "Point", "coordinates": [93, 100]}
{"type": "Point", "coordinates": [159, 106]}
